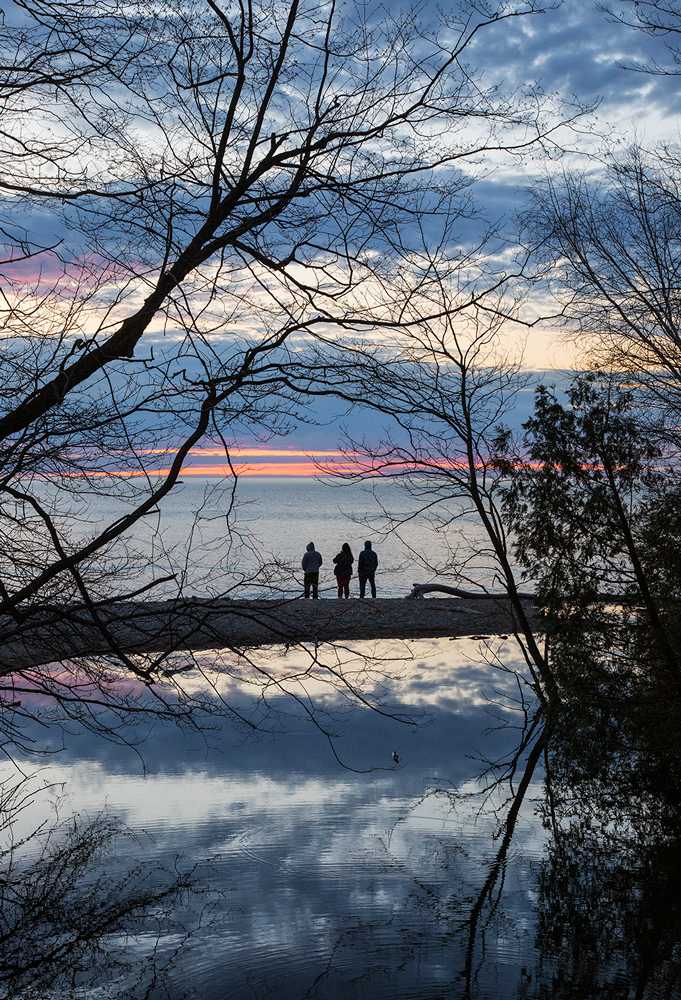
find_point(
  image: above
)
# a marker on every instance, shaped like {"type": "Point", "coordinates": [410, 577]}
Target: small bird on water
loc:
{"type": "Point", "coordinates": [395, 757]}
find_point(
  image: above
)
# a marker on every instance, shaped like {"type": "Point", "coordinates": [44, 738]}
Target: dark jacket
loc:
{"type": "Point", "coordinates": [312, 559]}
{"type": "Point", "coordinates": [368, 560]}
{"type": "Point", "coordinates": [343, 564]}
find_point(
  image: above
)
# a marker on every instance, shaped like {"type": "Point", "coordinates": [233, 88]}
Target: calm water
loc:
{"type": "Point", "coordinates": [495, 860]}
{"type": "Point", "coordinates": [334, 883]}
{"type": "Point", "coordinates": [272, 520]}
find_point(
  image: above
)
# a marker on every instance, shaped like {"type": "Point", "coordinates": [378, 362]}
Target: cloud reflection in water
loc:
{"type": "Point", "coordinates": [337, 884]}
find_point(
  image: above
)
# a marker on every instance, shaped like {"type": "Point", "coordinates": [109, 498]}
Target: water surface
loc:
{"type": "Point", "coordinates": [333, 882]}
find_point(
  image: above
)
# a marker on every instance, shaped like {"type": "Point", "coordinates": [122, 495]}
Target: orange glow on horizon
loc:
{"type": "Point", "coordinates": [215, 452]}
{"type": "Point", "coordinates": [313, 466]}
{"type": "Point", "coordinates": [266, 469]}
{"type": "Point", "coordinates": [268, 453]}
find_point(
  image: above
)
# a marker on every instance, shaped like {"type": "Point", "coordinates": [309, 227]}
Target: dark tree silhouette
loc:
{"type": "Point", "coordinates": [187, 194]}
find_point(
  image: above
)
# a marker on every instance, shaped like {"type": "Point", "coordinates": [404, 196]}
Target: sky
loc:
{"type": "Point", "coordinates": [316, 442]}
{"type": "Point", "coordinates": [575, 52]}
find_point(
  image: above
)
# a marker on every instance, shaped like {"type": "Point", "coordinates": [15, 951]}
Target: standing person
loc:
{"type": "Point", "coordinates": [312, 560]}
{"type": "Point", "coordinates": [343, 569]}
{"type": "Point", "coordinates": [367, 565]}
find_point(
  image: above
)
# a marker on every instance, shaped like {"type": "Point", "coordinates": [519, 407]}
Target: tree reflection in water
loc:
{"type": "Point", "coordinates": [600, 765]}
{"type": "Point", "coordinates": [588, 907]}
{"type": "Point", "coordinates": [75, 910]}
{"type": "Point", "coordinates": [609, 915]}
{"type": "Point", "coordinates": [608, 888]}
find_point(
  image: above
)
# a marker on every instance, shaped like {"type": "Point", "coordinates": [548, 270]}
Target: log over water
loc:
{"type": "Point", "coordinates": [471, 595]}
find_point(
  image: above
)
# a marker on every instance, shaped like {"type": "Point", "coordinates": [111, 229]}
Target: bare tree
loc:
{"type": "Point", "coordinates": [444, 386]}
{"type": "Point", "coordinates": [281, 144]}
{"type": "Point", "coordinates": [188, 192]}
{"type": "Point", "coordinates": [609, 245]}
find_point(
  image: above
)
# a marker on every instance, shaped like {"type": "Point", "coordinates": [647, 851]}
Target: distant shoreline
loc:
{"type": "Point", "coordinates": [203, 624]}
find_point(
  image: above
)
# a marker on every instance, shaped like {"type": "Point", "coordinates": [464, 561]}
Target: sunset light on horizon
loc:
{"type": "Point", "coordinates": [275, 462]}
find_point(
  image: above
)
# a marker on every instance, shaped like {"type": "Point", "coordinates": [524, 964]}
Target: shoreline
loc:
{"type": "Point", "coordinates": [54, 634]}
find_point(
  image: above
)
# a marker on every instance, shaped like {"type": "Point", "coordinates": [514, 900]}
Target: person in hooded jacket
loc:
{"type": "Point", "coordinates": [367, 564]}
{"type": "Point", "coordinates": [312, 560]}
{"type": "Point", "coordinates": [343, 569]}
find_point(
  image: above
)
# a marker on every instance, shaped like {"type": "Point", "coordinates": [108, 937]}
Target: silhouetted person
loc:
{"type": "Point", "coordinates": [343, 569]}
{"type": "Point", "coordinates": [312, 560]}
{"type": "Point", "coordinates": [367, 565]}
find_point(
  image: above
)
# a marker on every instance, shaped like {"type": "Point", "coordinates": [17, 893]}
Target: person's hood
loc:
{"type": "Point", "coordinates": [310, 546]}
{"type": "Point", "coordinates": [367, 545]}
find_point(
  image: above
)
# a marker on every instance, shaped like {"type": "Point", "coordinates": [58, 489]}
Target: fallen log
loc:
{"type": "Point", "coordinates": [428, 588]}
{"type": "Point", "coordinates": [419, 589]}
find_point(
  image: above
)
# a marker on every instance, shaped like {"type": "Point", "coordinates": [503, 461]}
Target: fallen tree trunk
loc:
{"type": "Point", "coordinates": [419, 589]}
{"type": "Point", "coordinates": [428, 588]}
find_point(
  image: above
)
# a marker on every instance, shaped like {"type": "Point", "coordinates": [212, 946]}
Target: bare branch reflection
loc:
{"type": "Point", "coordinates": [80, 904]}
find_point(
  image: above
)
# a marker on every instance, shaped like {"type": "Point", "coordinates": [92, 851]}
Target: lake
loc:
{"type": "Point", "coordinates": [271, 520]}
{"type": "Point", "coordinates": [325, 881]}
{"type": "Point", "coordinates": [444, 844]}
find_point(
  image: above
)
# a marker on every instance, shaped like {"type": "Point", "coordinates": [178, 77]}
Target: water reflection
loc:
{"type": "Point", "coordinates": [609, 900]}
{"type": "Point", "coordinates": [514, 852]}
{"type": "Point", "coordinates": [80, 904]}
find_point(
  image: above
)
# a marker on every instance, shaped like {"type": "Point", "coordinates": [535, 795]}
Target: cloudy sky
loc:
{"type": "Point", "coordinates": [577, 49]}
{"type": "Point", "coordinates": [575, 52]}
